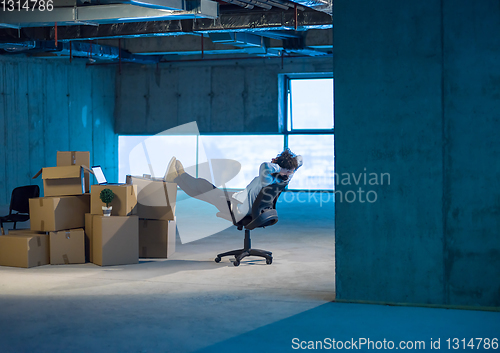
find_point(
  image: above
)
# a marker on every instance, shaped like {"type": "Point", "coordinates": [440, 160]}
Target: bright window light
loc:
{"type": "Point", "coordinates": [310, 104]}
{"type": "Point", "coordinates": [139, 155]}
{"type": "Point", "coordinates": [249, 150]}
{"type": "Point", "coordinates": [317, 170]}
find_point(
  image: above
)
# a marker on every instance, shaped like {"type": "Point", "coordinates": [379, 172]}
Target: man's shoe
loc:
{"type": "Point", "coordinates": [171, 172]}
{"type": "Point", "coordinates": [179, 167]}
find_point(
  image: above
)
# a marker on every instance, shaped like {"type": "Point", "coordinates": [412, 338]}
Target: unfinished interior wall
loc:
{"type": "Point", "coordinates": [417, 96]}
{"type": "Point", "coordinates": [221, 96]}
{"type": "Point", "coordinates": [48, 106]}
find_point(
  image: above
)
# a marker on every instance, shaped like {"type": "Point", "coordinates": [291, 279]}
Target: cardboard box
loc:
{"type": "Point", "coordinates": [67, 158]}
{"type": "Point", "coordinates": [155, 198]}
{"type": "Point", "coordinates": [67, 247]}
{"type": "Point", "coordinates": [51, 214]}
{"type": "Point", "coordinates": [156, 238]}
{"type": "Point", "coordinates": [24, 250]}
{"type": "Point", "coordinates": [64, 181]}
{"type": "Point", "coordinates": [89, 243]}
{"type": "Point", "coordinates": [124, 203]}
{"type": "Point", "coordinates": [164, 213]}
{"type": "Point", "coordinates": [115, 240]}
{"type": "Point", "coordinates": [24, 231]}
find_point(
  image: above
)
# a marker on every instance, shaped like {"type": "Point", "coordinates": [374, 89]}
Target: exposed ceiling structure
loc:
{"type": "Point", "coordinates": [152, 31]}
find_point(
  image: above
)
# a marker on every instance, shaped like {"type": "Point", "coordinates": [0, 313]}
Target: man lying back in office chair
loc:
{"type": "Point", "coordinates": [281, 168]}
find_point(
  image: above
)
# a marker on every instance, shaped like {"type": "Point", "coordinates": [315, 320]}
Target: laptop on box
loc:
{"type": "Point", "coordinates": [99, 176]}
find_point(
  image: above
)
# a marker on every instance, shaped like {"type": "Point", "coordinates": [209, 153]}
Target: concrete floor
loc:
{"type": "Point", "coordinates": [189, 303]}
{"type": "Point", "coordinates": [182, 304]}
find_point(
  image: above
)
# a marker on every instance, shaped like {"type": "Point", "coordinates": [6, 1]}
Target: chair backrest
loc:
{"type": "Point", "coordinates": [267, 198]}
{"type": "Point", "coordinates": [19, 200]}
{"type": "Point", "coordinates": [264, 207]}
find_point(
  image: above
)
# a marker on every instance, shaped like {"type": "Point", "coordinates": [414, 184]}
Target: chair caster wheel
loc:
{"type": "Point", "coordinates": [217, 259]}
{"type": "Point", "coordinates": [269, 261]}
{"type": "Point", "coordinates": [236, 263]}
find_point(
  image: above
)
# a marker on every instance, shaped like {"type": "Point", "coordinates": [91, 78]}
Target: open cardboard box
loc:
{"type": "Point", "coordinates": [65, 181]}
{"type": "Point", "coordinates": [155, 198]}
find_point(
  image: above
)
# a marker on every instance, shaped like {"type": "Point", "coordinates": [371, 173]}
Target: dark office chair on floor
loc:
{"type": "Point", "coordinates": [263, 215]}
{"type": "Point", "coordinates": [19, 210]}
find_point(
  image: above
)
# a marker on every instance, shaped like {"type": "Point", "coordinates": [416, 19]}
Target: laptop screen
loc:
{"type": "Point", "coordinates": [99, 175]}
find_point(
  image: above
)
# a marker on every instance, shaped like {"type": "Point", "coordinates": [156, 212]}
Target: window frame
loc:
{"type": "Point", "coordinates": [285, 83]}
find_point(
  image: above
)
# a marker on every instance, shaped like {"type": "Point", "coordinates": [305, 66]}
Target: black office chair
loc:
{"type": "Point", "coordinates": [19, 203]}
{"type": "Point", "coordinates": [264, 214]}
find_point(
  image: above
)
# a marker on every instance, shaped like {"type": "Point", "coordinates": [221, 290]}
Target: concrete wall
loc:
{"type": "Point", "coordinates": [417, 88]}
{"type": "Point", "coordinates": [49, 106]}
{"type": "Point", "coordinates": [221, 96]}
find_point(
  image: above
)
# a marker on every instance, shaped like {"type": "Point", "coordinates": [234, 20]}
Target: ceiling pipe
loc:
{"type": "Point", "coordinates": [273, 3]}
{"type": "Point", "coordinates": [119, 57]}
{"type": "Point", "coordinates": [281, 57]}
{"type": "Point", "coordinates": [239, 3]}
{"type": "Point", "coordinates": [290, 4]}
{"type": "Point", "coordinates": [296, 17]}
{"type": "Point", "coordinates": [258, 4]}
{"type": "Point", "coordinates": [202, 50]}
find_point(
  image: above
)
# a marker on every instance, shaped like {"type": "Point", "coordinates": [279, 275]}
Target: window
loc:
{"type": "Point", "coordinates": [317, 171]}
{"type": "Point", "coordinates": [249, 150]}
{"type": "Point", "coordinates": [309, 129]}
{"type": "Point", "coordinates": [140, 155]}
{"type": "Point", "coordinates": [310, 104]}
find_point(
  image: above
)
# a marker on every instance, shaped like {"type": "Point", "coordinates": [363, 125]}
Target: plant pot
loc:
{"type": "Point", "coordinates": [106, 211]}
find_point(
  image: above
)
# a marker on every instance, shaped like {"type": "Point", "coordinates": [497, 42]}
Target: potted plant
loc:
{"type": "Point", "coordinates": [107, 196]}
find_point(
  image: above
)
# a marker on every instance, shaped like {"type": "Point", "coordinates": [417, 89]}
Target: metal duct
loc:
{"type": "Point", "coordinates": [258, 4]}
{"type": "Point", "coordinates": [239, 3]}
{"type": "Point", "coordinates": [154, 4]}
{"type": "Point", "coordinates": [290, 4]}
{"type": "Point", "coordinates": [297, 46]}
{"type": "Point", "coordinates": [275, 4]}
{"type": "Point", "coordinates": [264, 23]}
{"type": "Point", "coordinates": [18, 47]}
{"type": "Point", "coordinates": [240, 39]}
{"type": "Point", "coordinates": [107, 14]}
{"type": "Point", "coordinates": [325, 6]}
{"type": "Point", "coordinates": [80, 49]}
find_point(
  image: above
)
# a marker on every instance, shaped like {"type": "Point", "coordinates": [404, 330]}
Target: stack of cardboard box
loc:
{"type": "Point", "coordinates": [156, 211]}
{"type": "Point", "coordinates": [54, 236]}
{"type": "Point", "coordinates": [113, 240]}
{"type": "Point", "coordinates": [142, 221]}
